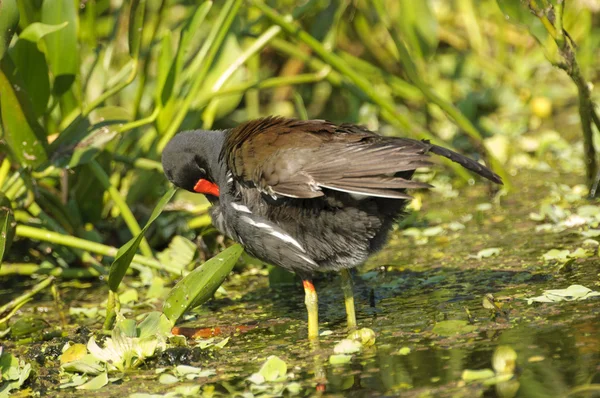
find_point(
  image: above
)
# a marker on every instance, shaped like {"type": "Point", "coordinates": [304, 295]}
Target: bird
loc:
{"type": "Point", "coordinates": [305, 195]}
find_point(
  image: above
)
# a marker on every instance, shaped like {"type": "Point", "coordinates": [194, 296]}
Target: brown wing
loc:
{"type": "Point", "coordinates": [297, 158]}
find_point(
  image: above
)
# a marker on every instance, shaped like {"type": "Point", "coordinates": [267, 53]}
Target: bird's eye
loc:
{"type": "Point", "coordinates": [201, 170]}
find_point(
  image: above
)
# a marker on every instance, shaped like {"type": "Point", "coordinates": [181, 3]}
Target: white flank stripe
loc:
{"type": "Point", "coordinates": [277, 234]}
{"type": "Point", "coordinates": [241, 208]}
{"type": "Point", "coordinates": [308, 260]}
{"type": "Point", "coordinates": [287, 238]}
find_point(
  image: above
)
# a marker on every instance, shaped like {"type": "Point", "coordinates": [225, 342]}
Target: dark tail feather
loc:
{"type": "Point", "coordinates": [467, 163]}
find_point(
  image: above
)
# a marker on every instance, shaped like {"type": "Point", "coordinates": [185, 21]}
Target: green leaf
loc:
{"type": "Point", "coordinates": [92, 135]}
{"type": "Point", "coordinates": [9, 19]}
{"type": "Point", "coordinates": [96, 383]}
{"type": "Point", "coordinates": [199, 286]}
{"type": "Point", "coordinates": [165, 75]}
{"type": "Point", "coordinates": [31, 63]}
{"type": "Point", "coordinates": [136, 26]}
{"type": "Point", "coordinates": [62, 49]}
{"type": "Point", "coordinates": [339, 359]}
{"type": "Point", "coordinates": [154, 324]}
{"type": "Point", "coordinates": [7, 226]}
{"type": "Point", "coordinates": [37, 30]}
{"type": "Point", "coordinates": [23, 134]}
{"type": "Point", "coordinates": [126, 253]}
{"type": "Point", "coordinates": [419, 27]}
{"type": "Point", "coordinates": [273, 369]}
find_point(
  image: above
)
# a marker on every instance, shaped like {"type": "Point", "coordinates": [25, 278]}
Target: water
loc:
{"type": "Point", "coordinates": [402, 293]}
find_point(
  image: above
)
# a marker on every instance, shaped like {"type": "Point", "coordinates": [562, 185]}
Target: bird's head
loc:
{"type": "Point", "coordinates": [189, 161]}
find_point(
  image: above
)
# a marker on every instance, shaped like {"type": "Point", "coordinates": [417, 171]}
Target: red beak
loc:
{"type": "Point", "coordinates": [206, 187]}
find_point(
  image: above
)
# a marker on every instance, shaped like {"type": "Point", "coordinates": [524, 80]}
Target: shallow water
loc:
{"type": "Point", "coordinates": [401, 294]}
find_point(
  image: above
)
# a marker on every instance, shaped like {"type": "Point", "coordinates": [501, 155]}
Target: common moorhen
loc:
{"type": "Point", "coordinates": [308, 195]}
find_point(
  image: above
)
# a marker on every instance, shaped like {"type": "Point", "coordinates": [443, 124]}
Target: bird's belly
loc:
{"type": "Point", "coordinates": [341, 233]}
{"type": "Point", "coordinates": [334, 232]}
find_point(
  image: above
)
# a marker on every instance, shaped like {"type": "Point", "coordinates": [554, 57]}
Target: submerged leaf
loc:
{"type": "Point", "coordinates": [452, 327]}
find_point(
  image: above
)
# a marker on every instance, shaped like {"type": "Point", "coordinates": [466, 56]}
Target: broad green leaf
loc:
{"type": "Point", "coordinates": [419, 27]}
{"type": "Point", "coordinates": [136, 26]}
{"type": "Point", "coordinates": [21, 131]}
{"type": "Point", "coordinates": [126, 253]}
{"type": "Point", "coordinates": [31, 63]}
{"type": "Point", "coordinates": [9, 19]}
{"type": "Point", "coordinates": [93, 134]}
{"type": "Point", "coordinates": [37, 30]}
{"type": "Point", "coordinates": [199, 285]}
{"type": "Point", "coordinates": [165, 77]}
{"type": "Point", "coordinates": [7, 226]}
{"type": "Point", "coordinates": [62, 49]}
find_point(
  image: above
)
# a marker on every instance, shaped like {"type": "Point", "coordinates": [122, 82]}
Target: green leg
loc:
{"type": "Point", "coordinates": [312, 307]}
{"type": "Point", "coordinates": [348, 299]}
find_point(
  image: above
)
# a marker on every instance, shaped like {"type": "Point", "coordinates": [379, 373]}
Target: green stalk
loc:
{"type": "Point", "coordinates": [249, 52]}
{"type": "Point", "coordinates": [12, 192]}
{"type": "Point", "coordinates": [140, 122]}
{"type": "Point", "coordinates": [126, 212]}
{"type": "Point", "coordinates": [205, 58]}
{"type": "Point", "coordinates": [44, 235]}
{"type": "Point", "coordinates": [140, 163]}
{"type": "Point", "coordinates": [4, 170]}
{"type": "Point", "coordinates": [28, 269]}
{"type": "Point", "coordinates": [113, 306]}
{"type": "Point", "coordinates": [275, 82]}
